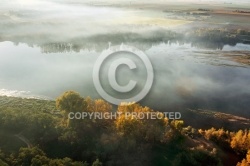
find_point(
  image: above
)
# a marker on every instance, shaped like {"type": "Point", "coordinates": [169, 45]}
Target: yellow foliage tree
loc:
{"type": "Point", "coordinates": [102, 107]}
{"type": "Point", "coordinates": [135, 121]}
{"type": "Point", "coordinates": [98, 105]}
{"type": "Point", "coordinates": [241, 141]}
{"type": "Point", "coordinates": [246, 161]}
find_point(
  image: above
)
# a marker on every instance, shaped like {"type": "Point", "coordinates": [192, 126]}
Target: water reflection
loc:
{"type": "Point", "coordinates": [70, 47]}
{"type": "Point", "coordinates": [66, 26]}
{"type": "Point", "coordinates": [185, 76]}
{"type": "Point", "coordinates": [102, 41]}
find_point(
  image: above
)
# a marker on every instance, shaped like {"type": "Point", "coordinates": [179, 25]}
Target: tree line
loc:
{"type": "Point", "coordinates": [57, 140]}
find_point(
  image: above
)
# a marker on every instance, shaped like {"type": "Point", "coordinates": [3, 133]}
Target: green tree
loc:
{"type": "Point", "coordinates": [3, 163]}
{"type": "Point", "coordinates": [97, 163]}
{"type": "Point", "coordinates": [26, 155]}
{"type": "Point", "coordinates": [70, 101]}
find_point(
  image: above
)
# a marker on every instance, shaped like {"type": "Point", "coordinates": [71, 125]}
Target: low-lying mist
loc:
{"type": "Point", "coordinates": [183, 79]}
{"type": "Point", "coordinates": [48, 47]}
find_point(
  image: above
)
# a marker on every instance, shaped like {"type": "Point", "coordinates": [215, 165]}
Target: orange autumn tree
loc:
{"type": "Point", "coordinates": [241, 141]}
{"type": "Point", "coordinates": [246, 161]}
{"type": "Point", "coordinates": [101, 107]}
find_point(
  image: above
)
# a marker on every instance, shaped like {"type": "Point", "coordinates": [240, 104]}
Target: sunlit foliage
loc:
{"type": "Point", "coordinates": [128, 139]}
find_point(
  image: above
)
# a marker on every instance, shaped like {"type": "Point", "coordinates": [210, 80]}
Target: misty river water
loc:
{"type": "Point", "coordinates": [184, 76]}
{"type": "Point", "coordinates": [38, 59]}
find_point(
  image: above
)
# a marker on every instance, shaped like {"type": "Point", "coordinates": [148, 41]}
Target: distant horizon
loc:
{"type": "Point", "coordinates": [231, 1]}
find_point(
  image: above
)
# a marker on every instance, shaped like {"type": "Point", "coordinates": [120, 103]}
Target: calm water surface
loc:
{"type": "Point", "coordinates": [185, 76]}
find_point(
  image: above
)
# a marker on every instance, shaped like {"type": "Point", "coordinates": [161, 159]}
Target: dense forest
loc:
{"type": "Point", "coordinates": [39, 133]}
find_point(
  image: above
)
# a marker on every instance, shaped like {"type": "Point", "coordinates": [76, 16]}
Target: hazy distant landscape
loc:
{"type": "Point", "coordinates": [200, 53]}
